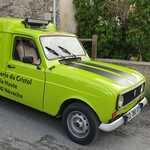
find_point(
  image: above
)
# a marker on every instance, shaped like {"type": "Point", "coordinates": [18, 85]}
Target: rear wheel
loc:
{"type": "Point", "coordinates": [81, 123]}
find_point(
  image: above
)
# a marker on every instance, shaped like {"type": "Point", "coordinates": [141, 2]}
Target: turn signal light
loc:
{"type": "Point", "coordinates": [114, 115]}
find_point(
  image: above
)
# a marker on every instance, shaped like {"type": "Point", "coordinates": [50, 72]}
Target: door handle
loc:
{"type": "Point", "coordinates": [11, 66]}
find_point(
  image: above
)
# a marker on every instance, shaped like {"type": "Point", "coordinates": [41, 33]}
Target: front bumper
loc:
{"type": "Point", "coordinates": [122, 120]}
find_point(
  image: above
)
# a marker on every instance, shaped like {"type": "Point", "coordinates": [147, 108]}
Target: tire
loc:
{"type": "Point", "coordinates": [80, 123]}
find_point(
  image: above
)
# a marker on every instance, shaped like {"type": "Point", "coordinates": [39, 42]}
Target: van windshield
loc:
{"type": "Point", "coordinates": [61, 46]}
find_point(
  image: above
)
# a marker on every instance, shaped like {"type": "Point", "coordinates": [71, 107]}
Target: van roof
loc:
{"type": "Point", "coordinates": [16, 26]}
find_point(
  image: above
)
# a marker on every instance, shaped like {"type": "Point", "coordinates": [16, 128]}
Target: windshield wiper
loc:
{"type": "Point", "coordinates": [60, 56]}
{"type": "Point", "coordinates": [52, 51]}
{"type": "Point", "coordinates": [67, 52]}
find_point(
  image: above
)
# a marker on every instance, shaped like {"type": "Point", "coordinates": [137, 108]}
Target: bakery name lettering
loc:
{"type": "Point", "coordinates": [17, 78]}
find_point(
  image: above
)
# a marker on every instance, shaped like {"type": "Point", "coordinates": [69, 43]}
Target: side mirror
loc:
{"type": "Point", "coordinates": [28, 59]}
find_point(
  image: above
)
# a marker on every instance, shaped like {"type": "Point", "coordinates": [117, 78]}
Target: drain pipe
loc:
{"type": "Point", "coordinates": [54, 12]}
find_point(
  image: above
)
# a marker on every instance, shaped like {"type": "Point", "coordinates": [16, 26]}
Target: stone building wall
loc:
{"type": "Point", "coordinates": [41, 9]}
{"type": "Point", "coordinates": [26, 8]}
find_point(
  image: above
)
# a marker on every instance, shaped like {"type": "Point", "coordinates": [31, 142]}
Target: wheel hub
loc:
{"type": "Point", "coordinates": [78, 124]}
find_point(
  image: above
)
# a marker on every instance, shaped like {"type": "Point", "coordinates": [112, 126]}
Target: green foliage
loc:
{"type": "Point", "coordinates": [139, 28]}
{"type": "Point", "coordinates": [122, 26]}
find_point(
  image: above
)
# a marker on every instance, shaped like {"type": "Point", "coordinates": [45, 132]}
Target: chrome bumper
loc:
{"type": "Point", "coordinates": [122, 120]}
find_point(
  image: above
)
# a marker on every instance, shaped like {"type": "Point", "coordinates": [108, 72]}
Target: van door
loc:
{"type": "Point", "coordinates": [25, 82]}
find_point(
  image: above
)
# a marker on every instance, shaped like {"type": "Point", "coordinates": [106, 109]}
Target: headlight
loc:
{"type": "Point", "coordinates": [120, 101]}
{"type": "Point", "coordinates": [142, 88]}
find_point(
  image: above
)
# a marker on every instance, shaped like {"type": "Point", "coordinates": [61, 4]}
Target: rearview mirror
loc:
{"type": "Point", "coordinates": [28, 59]}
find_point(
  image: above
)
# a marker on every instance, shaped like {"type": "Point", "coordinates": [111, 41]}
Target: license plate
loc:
{"type": "Point", "coordinates": [132, 113]}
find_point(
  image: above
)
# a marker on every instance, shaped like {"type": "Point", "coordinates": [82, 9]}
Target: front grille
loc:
{"type": "Point", "coordinates": [131, 95]}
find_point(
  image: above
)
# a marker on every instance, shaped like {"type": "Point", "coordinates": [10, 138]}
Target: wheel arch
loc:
{"type": "Point", "coordinates": [67, 102]}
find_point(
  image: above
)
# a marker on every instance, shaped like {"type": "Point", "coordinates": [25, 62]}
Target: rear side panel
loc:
{"type": "Point", "coordinates": [5, 48]}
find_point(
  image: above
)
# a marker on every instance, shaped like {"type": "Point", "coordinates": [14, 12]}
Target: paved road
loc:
{"type": "Point", "coordinates": [22, 128]}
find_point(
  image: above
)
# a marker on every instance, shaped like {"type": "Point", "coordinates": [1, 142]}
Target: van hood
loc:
{"type": "Point", "coordinates": [101, 72]}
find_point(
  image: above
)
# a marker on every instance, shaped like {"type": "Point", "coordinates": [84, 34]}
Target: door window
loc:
{"type": "Point", "coordinates": [26, 51]}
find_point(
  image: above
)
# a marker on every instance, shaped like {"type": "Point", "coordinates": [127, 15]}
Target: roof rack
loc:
{"type": "Point", "coordinates": [36, 23]}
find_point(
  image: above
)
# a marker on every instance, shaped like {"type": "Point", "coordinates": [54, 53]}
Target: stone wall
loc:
{"type": "Point", "coordinates": [41, 9]}
{"type": "Point", "coordinates": [143, 67]}
{"type": "Point", "coordinates": [26, 8]}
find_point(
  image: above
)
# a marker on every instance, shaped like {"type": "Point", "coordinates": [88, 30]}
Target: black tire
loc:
{"type": "Point", "coordinates": [83, 120]}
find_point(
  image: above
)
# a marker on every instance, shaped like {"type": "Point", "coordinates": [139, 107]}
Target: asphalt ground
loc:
{"type": "Point", "coordinates": [23, 128]}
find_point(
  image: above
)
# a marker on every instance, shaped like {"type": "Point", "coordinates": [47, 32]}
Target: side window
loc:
{"type": "Point", "coordinates": [26, 51]}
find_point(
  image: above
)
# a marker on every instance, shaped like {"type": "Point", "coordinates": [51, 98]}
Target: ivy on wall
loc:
{"type": "Point", "coordinates": [122, 26]}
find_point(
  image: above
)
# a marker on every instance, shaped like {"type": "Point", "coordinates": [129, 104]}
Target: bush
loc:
{"type": "Point", "coordinates": [122, 26]}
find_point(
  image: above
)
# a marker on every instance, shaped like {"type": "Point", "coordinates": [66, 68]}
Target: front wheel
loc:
{"type": "Point", "coordinates": [80, 123]}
